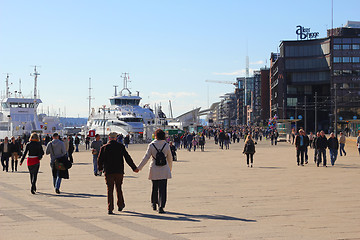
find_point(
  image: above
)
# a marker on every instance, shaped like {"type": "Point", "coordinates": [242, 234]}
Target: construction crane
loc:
{"type": "Point", "coordinates": [222, 82]}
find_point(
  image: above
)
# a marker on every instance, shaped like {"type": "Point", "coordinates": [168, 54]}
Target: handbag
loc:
{"type": "Point", "coordinates": [61, 163]}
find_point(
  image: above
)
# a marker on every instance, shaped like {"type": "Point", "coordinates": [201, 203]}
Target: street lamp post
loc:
{"type": "Point", "coordinates": [335, 109]}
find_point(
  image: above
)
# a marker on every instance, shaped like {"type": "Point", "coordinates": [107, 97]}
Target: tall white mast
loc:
{"type": "Point", "coordinates": [90, 98]}
{"type": "Point", "coordinates": [7, 94]}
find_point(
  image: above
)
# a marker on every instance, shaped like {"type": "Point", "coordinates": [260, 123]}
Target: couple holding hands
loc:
{"type": "Point", "coordinates": [111, 161]}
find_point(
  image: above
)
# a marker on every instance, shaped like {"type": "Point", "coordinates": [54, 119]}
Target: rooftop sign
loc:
{"type": "Point", "coordinates": [305, 34]}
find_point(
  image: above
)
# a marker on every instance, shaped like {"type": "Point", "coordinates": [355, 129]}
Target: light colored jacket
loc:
{"type": "Point", "coordinates": [342, 139]}
{"type": "Point", "coordinates": [157, 172]}
{"type": "Point", "coordinates": [56, 149]}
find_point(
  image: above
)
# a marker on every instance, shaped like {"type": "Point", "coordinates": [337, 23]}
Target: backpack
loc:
{"type": "Point", "coordinates": [160, 158]}
{"type": "Point", "coordinates": [250, 147]}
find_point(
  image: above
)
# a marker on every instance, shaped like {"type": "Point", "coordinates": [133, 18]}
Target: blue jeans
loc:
{"type": "Point", "coordinates": [77, 147]}
{"type": "Point", "coordinates": [321, 152]}
{"type": "Point", "coordinates": [57, 181]}
{"type": "Point", "coordinates": [342, 145]}
{"type": "Point", "coordinates": [95, 157]}
{"type": "Point", "coordinates": [333, 156]}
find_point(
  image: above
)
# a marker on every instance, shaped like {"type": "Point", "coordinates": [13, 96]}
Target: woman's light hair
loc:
{"type": "Point", "coordinates": [34, 137]}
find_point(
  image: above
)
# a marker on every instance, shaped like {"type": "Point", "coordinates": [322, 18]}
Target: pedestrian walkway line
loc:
{"type": "Point", "coordinates": [74, 222]}
{"type": "Point", "coordinates": [85, 225]}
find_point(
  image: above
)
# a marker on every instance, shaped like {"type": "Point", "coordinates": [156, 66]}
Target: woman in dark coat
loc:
{"type": "Point", "coordinates": [71, 149]}
{"type": "Point", "coordinates": [15, 151]}
{"type": "Point", "coordinates": [35, 151]}
{"type": "Point", "coordinates": [249, 149]}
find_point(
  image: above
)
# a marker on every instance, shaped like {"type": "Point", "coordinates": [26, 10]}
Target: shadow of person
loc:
{"type": "Point", "coordinates": [174, 216]}
{"type": "Point", "coordinates": [72, 195]}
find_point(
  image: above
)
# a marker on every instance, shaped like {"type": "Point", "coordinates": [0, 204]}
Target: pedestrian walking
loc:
{"type": "Point", "coordinates": [15, 151]}
{"type": "Point", "coordinates": [56, 149]}
{"type": "Point", "coordinates": [160, 169]}
{"type": "Point", "coordinates": [87, 143]}
{"type": "Point", "coordinates": [71, 148]}
{"type": "Point", "coordinates": [301, 143]}
{"type": "Point", "coordinates": [342, 141]}
{"type": "Point", "coordinates": [202, 142]}
{"type": "Point", "coordinates": [358, 142]}
{"type": "Point", "coordinates": [5, 154]}
{"type": "Point", "coordinates": [77, 142]}
{"type": "Point", "coordinates": [249, 150]}
{"type": "Point", "coordinates": [333, 145]}
{"type": "Point", "coordinates": [321, 145]}
{"type": "Point", "coordinates": [111, 161]}
{"type": "Point", "coordinates": [35, 153]}
{"type": "Point", "coordinates": [95, 150]}
{"type": "Point", "coordinates": [127, 140]}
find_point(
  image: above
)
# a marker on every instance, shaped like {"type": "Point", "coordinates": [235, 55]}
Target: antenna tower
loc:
{"type": "Point", "coordinates": [7, 85]}
{"type": "Point", "coordinates": [126, 79]}
{"type": "Point", "coordinates": [35, 74]}
{"type": "Point", "coordinates": [90, 98]}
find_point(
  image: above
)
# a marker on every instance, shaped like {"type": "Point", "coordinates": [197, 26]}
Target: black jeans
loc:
{"type": "Point", "coordinates": [33, 170]}
{"type": "Point", "coordinates": [300, 153]}
{"type": "Point", "coordinates": [323, 153]}
{"type": "Point", "coordinates": [158, 195]}
{"type": "Point", "coordinates": [251, 156]}
{"type": "Point", "coordinates": [5, 160]}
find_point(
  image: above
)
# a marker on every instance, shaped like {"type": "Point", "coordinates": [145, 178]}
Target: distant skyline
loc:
{"type": "Point", "coordinates": [169, 48]}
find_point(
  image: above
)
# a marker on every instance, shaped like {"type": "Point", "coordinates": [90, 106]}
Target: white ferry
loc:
{"type": "Point", "coordinates": [124, 115]}
{"type": "Point", "coordinates": [18, 115]}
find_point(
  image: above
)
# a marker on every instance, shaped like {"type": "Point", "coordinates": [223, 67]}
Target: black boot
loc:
{"type": "Point", "coordinates": [12, 165]}
{"type": "Point", "coordinates": [16, 164]}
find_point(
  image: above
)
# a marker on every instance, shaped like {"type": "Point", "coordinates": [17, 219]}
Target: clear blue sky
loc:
{"type": "Point", "coordinates": [169, 47]}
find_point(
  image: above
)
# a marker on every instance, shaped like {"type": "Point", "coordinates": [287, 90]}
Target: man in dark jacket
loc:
{"type": "Point", "coordinates": [111, 160]}
{"type": "Point", "coordinates": [5, 153]}
{"type": "Point", "coordinates": [321, 145]}
{"type": "Point", "coordinates": [77, 142]}
{"type": "Point", "coordinates": [333, 145]}
{"type": "Point", "coordinates": [301, 144]}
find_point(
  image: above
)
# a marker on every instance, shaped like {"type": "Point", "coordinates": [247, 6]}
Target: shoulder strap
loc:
{"type": "Point", "coordinates": [163, 147]}
{"type": "Point", "coordinates": [155, 147]}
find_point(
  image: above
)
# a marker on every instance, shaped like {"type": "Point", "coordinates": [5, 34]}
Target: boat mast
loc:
{"type": "Point", "coordinates": [7, 94]}
{"type": "Point", "coordinates": [126, 78]}
{"type": "Point", "coordinates": [35, 74]}
{"type": "Point", "coordinates": [90, 98]}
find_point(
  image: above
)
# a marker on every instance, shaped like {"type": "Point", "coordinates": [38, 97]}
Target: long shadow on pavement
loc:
{"type": "Point", "coordinates": [72, 195]}
{"type": "Point", "coordinates": [174, 216]}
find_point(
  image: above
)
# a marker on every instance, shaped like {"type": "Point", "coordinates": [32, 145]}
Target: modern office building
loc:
{"type": "Point", "coordinates": [265, 95]}
{"type": "Point", "coordinates": [317, 81]}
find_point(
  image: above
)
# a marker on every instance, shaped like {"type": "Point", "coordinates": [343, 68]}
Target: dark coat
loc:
{"type": "Point", "coordinates": [111, 158]}
{"type": "Point", "coordinates": [15, 147]}
{"type": "Point", "coordinates": [305, 142]}
{"type": "Point", "coordinates": [71, 146]}
{"type": "Point", "coordinates": [321, 143]}
{"type": "Point", "coordinates": [34, 149]}
{"type": "Point", "coordinates": [333, 143]}
{"type": "Point", "coordinates": [249, 147]}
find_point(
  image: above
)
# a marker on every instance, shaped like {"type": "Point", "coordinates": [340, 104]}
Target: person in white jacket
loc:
{"type": "Point", "coordinates": [158, 174]}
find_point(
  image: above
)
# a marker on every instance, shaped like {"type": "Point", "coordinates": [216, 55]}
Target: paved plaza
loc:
{"type": "Point", "coordinates": [213, 195]}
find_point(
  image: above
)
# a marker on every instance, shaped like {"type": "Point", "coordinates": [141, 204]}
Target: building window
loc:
{"type": "Point", "coordinates": [347, 72]}
{"type": "Point", "coordinates": [337, 72]}
{"type": "Point", "coordinates": [356, 59]}
{"type": "Point", "coordinates": [355, 46]}
{"type": "Point", "coordinates": [291, 102]}
{"type": "Point", "coordinates": [346, 47]}
{"type": "Point", "coordinates": [337, 59]}
{"type": "Point", "coordinates": [337, 47]}
{"type": "Point", "coordinates": [346, 59]}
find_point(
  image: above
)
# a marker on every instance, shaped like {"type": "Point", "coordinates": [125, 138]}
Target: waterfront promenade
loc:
{"type": "Point", "coordinates": [213, 195]}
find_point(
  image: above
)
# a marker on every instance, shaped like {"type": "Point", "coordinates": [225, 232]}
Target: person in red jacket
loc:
{"type": "Point", "coordinates": [111, 161]}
